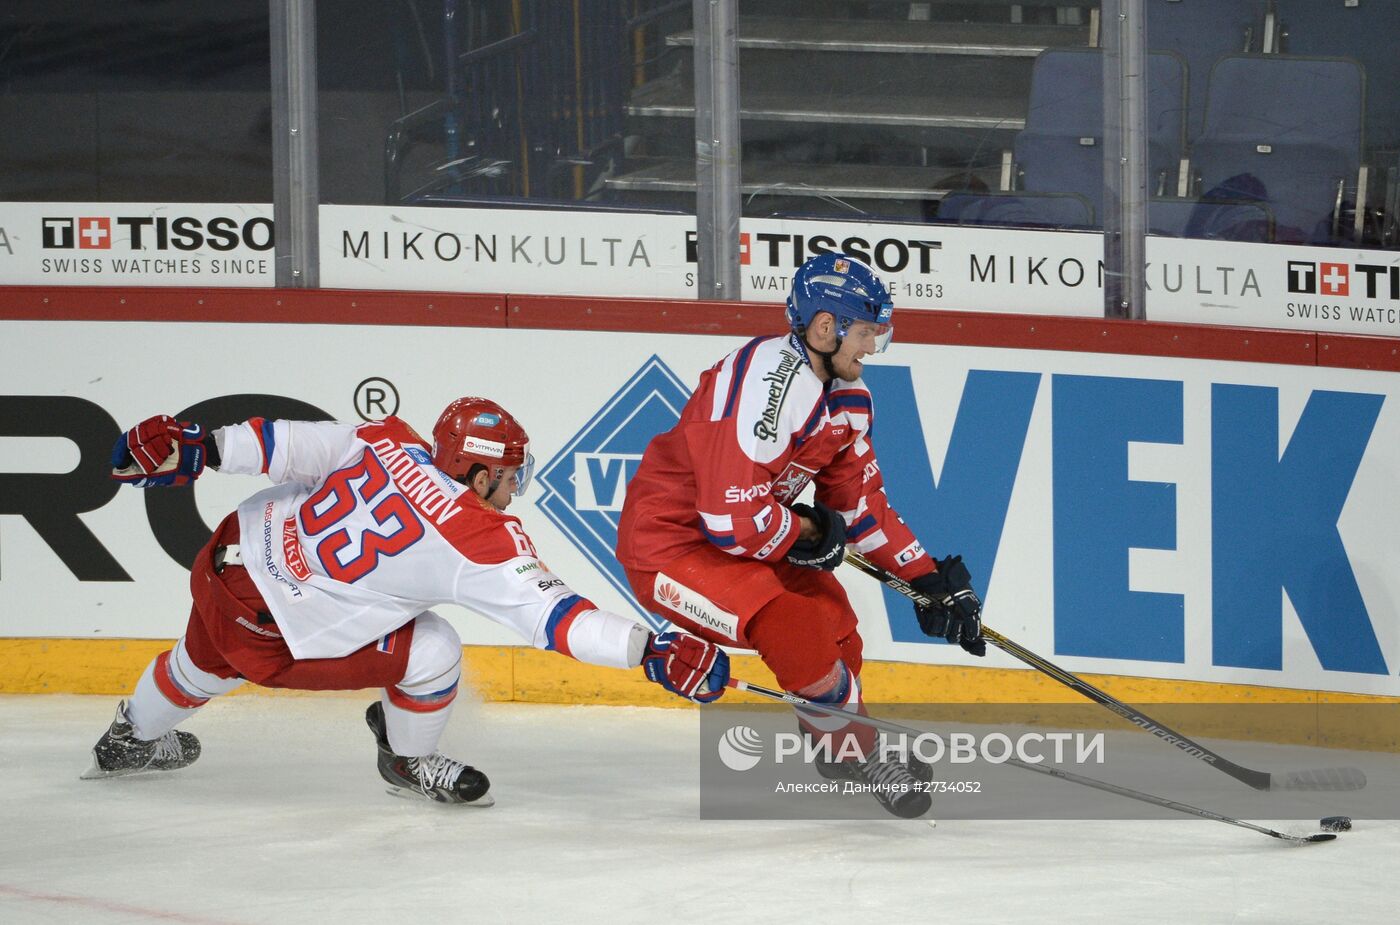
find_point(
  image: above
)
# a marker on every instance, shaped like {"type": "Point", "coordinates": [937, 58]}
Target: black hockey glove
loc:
{"type": "Point", "coordinates": [955, 612]}
{"type": "Point", "coordinates": [827, 551]}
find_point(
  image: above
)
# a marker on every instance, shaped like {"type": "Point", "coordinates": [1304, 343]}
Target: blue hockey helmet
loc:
{"type": "Point", "coordinates": [845, 287]}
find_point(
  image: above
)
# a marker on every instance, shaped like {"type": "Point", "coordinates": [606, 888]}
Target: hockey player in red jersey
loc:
{"type": "Point", "coordinates": [323, 582]}
{"type": "Point", "coordinates": [713, 538]}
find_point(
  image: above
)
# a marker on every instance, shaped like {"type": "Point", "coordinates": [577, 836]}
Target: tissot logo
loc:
{"type": "Point", "coordinates": [774, 250]}
{"type": "Point", "coordinates": [160, 233]}
{"type": "Point", "coordinates": [1374, 280]}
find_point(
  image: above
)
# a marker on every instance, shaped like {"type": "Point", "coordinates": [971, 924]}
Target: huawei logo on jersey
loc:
{"type": "Point", "coordinates": [667, 594]}
{"type": "Point", "coordinates": [694, 609]}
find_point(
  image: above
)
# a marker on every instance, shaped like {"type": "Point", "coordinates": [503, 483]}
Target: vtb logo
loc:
{"type": "Point", "coordinates": [1304, 277]}
{"type": "Point", "coordinates": [600, 479]}
{"type": "Point", "coordinates": [94, 233]}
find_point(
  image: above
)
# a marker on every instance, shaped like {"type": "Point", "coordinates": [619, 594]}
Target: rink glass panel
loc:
{"type": "Point", "coordinates": [164, 101]}
{"type": "Point", "coordinates": [1267, 120]}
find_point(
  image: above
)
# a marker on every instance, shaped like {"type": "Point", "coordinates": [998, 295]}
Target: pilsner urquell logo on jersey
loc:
{"type": "Point", "coordinates": [586, 483]}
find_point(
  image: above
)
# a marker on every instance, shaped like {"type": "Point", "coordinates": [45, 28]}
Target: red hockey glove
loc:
{"type": "Point", "coordinates": [687, 665]}
{"type": "Point", "coordinates": [159, 452]}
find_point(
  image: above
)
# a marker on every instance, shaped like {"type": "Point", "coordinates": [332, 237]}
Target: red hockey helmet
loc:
{"type": "Point", "coordinates": [477, 431]}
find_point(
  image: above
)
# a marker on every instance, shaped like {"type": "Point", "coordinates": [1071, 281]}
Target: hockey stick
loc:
{"type": "Point", "coordinates": [1315, 779]}
{"type": "Point", "coordinates": [1059, 773]}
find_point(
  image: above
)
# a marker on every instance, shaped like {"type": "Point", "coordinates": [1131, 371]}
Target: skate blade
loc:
{"type": "Point", "coordinates": [408, 793]}
{"type": "Point", "coordinates": [97, 772]}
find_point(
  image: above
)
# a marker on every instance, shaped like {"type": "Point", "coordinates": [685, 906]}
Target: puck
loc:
{"type": "Point", "coordinates": [1336, 823]}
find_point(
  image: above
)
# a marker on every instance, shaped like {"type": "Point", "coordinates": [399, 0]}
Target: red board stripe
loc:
{"type": "Point", "coordinates": [659, 316]}
{"type": "Point", "coordinates": [267, 306]}
{"type": "Point", "coordinates": [1357, 351]}
{"type": "Point", "coordinates": [675, 316]}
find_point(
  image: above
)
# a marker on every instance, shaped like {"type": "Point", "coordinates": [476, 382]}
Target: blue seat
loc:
{"type": "Point", "coordinates": [1202, 31]}
{"type": "Point", "coordinates": [1366, 31]}
{"type": "Point", "coordinates": [1291, 129]}
{"type": "Point", "coordinates": [1061, 148]}
{"type": "Point", "coordinates": [1017, 210]}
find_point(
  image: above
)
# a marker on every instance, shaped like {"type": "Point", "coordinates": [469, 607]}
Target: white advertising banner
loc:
{"type": "Point", "coordinates": [1274, 286]}
{"type": "Point", "coordinates": [925, 266]}
{"type": "Point", "coordinates": [136, 244]}
{"type": "Point", "coordinates": [1131, 515]}
{"type": "Point", "coordinates": [652, 255]}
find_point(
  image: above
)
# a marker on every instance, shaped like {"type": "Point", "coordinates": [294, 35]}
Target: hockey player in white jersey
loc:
{"type": "Point", "coordinates": [324, 582]}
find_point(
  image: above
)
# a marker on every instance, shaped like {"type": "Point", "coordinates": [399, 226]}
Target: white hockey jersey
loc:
{"type": "Point", "coordinates": [362, 533]}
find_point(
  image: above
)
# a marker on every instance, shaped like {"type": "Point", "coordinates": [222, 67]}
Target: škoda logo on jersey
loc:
{"type": "Point", "coordinates": [586, 483]}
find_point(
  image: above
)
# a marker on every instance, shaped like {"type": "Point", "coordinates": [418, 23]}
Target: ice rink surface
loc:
{"type": "Point", "coordinates": [284, 819]}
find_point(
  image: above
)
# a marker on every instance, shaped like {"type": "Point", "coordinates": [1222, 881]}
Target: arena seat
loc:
{"type": "Point", "coordinates": [1292, 125]}
{"type": "Point", "coordinates": [1202, 31]}
{"type": "Point", "coordinates": [1061, 148]}
{"type": "Point", "coordinates": [1364, 30]}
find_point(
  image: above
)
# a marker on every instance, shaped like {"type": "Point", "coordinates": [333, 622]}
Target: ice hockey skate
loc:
{"type": "Point", "coordinates": [832, 769]}
{"type": "Point", "coordinates": [119, 753]}
{"type": "Point", "coordinates": [433, 777]}
{"type": "Point", "coordinates": [899, 792]}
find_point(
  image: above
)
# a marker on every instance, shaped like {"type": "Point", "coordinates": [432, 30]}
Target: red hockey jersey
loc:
{"type": "Point", "coordinates": [761, 426]}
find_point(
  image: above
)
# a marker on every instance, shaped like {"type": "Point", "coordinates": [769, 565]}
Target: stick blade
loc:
{"type": "Point", "coordinates": [1321, 836]}
{"type": "Point", "coordinates": [1320, 779]}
